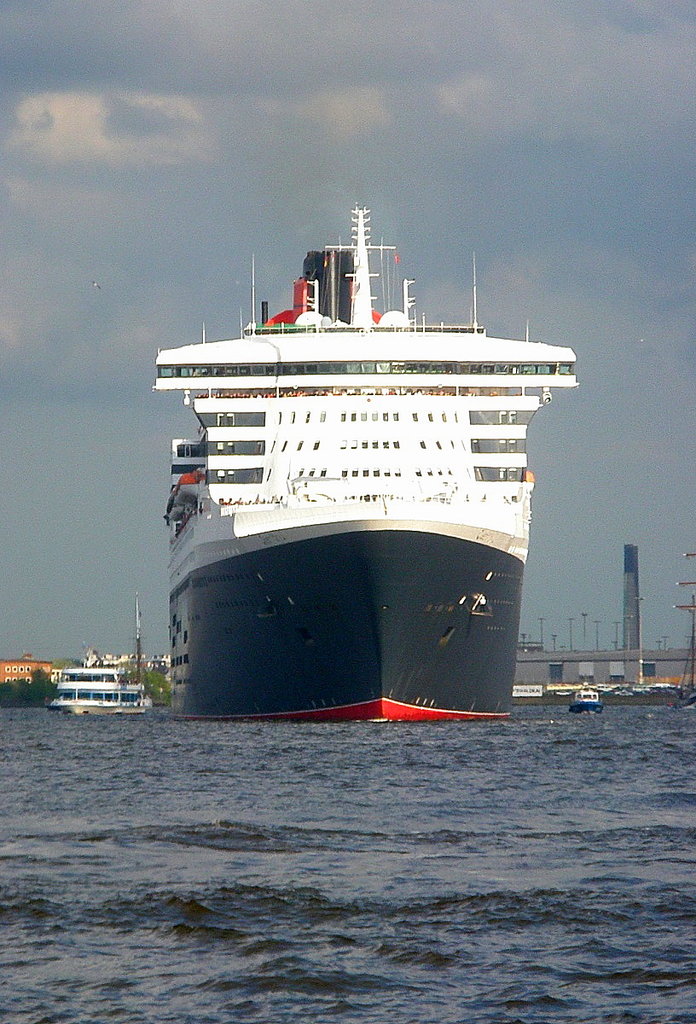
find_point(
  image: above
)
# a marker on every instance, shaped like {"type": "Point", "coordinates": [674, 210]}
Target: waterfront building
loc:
{"type": "Point", "coordinates": [15, 670]}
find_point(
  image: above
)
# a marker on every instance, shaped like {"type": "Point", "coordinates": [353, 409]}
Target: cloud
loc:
{"type": "Point", "coordinates": [553, 78]}
{"type": "Point", "coordinates": [345, 113]}
{"type": "Point", "coordinates": [117, 129]}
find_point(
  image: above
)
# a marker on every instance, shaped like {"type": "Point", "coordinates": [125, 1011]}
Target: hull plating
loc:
{"type": "Point", "coordinates": [366, 625]}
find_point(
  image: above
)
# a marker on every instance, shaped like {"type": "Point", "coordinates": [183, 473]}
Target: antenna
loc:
{"type": "Point", "coordinates": [253, 288]}
{"type": "Point", "coordinates": [474, 320]}
{"type": "Point", "coordinates": [203, 333]}
{"type": "Point", "coordinates": [526, 332]}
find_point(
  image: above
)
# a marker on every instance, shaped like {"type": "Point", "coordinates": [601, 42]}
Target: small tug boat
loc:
{"type": "Point", "coordinates": [586, 700]}
{"type": "Point", "coordinates": [99, 691]}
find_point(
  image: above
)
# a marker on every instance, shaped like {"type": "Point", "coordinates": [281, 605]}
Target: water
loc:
{"type": "Point", "coordinates": [534, 870]}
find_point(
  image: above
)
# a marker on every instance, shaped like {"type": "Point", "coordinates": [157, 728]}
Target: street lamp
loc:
{"type": "Point", "coordinates": [584, 630]}
{"type": "Point", "coordinates": [541, 632]}
{"type": "Point", "coordinates": [570, 633]}
{"type": "Point", "coordinates": [596, 633]}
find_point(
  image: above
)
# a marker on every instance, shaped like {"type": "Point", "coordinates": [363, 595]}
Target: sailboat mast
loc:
{"type": "Point", "coordinates": [138, 644]}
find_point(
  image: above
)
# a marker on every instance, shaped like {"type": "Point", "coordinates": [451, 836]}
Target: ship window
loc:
{"type": "Point", "coordinates": [397, 444]}
{"type": "Point", "coordinates": [354, 472]}
{"type": "Point", "coordinates": [343, 444]}
{"type": "Point", "coordinates": [190, 451]}
{"type": "Point", "coordinates": [323, 473]}
{"type": "Point", "coordinates": [232, 419]}
{"type": "Point", "coordinates": [430, 417]}
{"type": "Point", "coordinates": [353, 417]}
{"type": "Point", "coordinates": [316, 445]}
{"type": "Point", "coordinates": [363, 416]}
{"type": "Point", "coordinates": [375, 444]}
{"type": "Point", "coordinates": [285, 444]}
{"type": "Point", "coordinates": [492, 445]}
{"type": "Point", "coordinates": [365, 444]}
{"type": "Point", "coordinates": [307, 417]}
{"type": "Point", "coordinates": [343, 417]}
{"type": "Point", "coordinates": [444, 417]}
{"type": "Point", "coordinates": [375, 416]}
{"type": "Point", "coordinates": [237, 448]}
{"type": "Point", "coordinates": [322, 417]}
{"type": "Point", "coordinates": [366, 472]}
{"type": "Point", "coordinates": [494, 417]}
{"type": "Point", "coordinates": [292, 418]}
{"type": "Point", "coordinates": [354, 444]}
{"type": "Point", "coordinates": [415, 417]}
{"type": "Point", "coordinates": [237, 476]}
{"type": "Point", "coordinates": [344, 472]}
{"type": "Point", "coordinates": [385, 416]}
{"type": "Point", "coordinates": [490, 474]}
{"type": "Point", "coordinates": [396, 416]}
{"type": "Point", "coordinates": [438, 445]}
{"type": "Point", "coordinates": [422, 444]}
{"type": "Point", "coordinates": [299, 445]}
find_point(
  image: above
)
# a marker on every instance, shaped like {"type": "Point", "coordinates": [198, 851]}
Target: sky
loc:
{"type": "Point", "coordinates": [153, 146]}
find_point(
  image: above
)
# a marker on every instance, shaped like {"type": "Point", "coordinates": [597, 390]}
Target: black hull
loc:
{"type": "Point", "coordinates": [369, 624]}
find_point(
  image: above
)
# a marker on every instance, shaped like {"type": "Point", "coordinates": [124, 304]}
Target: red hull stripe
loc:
{"type": "Point", "coordinates": [381, 709]}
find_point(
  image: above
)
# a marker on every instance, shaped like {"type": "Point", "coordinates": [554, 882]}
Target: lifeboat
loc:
{"type": "Point", "coordinates": [183, 497]}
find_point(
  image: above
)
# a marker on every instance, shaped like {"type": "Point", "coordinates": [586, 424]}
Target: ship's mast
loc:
{"type": "Point", "coordinates": [138, 644]}
{"type": "Point", "coordinates": [362, 300]}
{"type": "Point", "coordinates": [690, 667]}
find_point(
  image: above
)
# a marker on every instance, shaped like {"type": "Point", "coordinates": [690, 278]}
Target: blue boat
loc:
{"type": "Point", "coordinates": [586, 700]}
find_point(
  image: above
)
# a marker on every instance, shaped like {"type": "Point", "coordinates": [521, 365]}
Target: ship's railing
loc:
{"type": "Point", "coordinates": [232, 505]}
{"type": "Point", "coordinates": [295, 392]}
{"type": "Point", "coordinates": [413, 327]}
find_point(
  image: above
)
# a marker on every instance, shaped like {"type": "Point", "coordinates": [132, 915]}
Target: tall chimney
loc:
{"type": "Point", "coordinates": [631, 603]}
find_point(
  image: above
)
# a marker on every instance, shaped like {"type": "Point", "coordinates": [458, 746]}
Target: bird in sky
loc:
{"type": "Point", "coordinates": [95, 284]}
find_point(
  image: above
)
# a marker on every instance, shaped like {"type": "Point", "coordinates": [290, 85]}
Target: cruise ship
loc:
{"type": "Point", "coordinates": [349, 523]}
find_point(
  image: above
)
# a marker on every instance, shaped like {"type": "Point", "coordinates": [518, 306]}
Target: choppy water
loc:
{"type": "Point", "coordinates": [534, 870]}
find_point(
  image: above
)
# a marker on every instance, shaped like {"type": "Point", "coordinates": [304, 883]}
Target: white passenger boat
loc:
{"type": "Point", "coordinates": [99, 691]}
